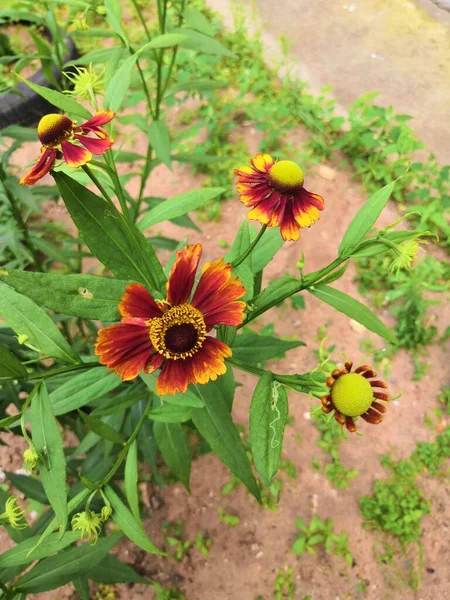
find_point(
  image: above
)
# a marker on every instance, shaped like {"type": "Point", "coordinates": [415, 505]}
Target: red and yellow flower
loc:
{"type": "Point", "coordinates": [172, 334]}
{"type": "Point", "coordinates": [352, 395]}
{"type": "Point", "coordinates": [58, 133]}
{"type": "Point", "coordinates": [274, 191]}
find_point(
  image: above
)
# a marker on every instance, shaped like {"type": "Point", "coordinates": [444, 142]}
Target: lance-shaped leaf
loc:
{"type": "Point", "coordinates": [115, 241]}
{"type": "Point", "coordinates": [174, 446]}
{"type": "Point", "coordinates": [253, 348]}
{"type": "Point", "coordinates": [33, 324]}
{"type": "Point", "coordinates": [131, 480]}
{"type": "Point", "coordinates": [24, 553]}
{"type": "Point", "coordinates": [112, 570]}
{"type": "Point", "coordinates": [49, 443]}
{"type": "Point", "coordinates": [102, 429]}
{"type": "Point", "coordinates": [61, 101]}
{"type": "Point", "coordinates": [10, 365]}
{"type": "Point", "coordinates": [353, 309]}
{"type": "Point", "coordinates": [268, 415]}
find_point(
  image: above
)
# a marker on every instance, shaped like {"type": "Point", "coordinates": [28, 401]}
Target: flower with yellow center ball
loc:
{"type": "Point", "coordinates": [60, 136]}
{"type": "Point", "coordinates": [352, 395]}
{"type": "Point", "coordinates": [13, 514]}
{"type": "Point", "coordinates": [89, 523]}
{"type": "Point", "coordinates": [274, 191]}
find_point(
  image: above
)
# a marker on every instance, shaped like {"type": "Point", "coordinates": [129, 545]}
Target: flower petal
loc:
{"type": "Point", "coordinates": [175, 376]}
{"type": "Point", "coordinates": [216, 295]}
{"type": "Point", "coordinates": [284, 218]}
{"type": "Point", "coordinates": [41, 168]}
{"type": "Point", "coordinates": [75, 156]}
{"type": "Point", "coordinates": [264, 210]}
{"type": "Point", "coordinates": [124, 348]}
{"type": "Point", "coordinates": [153, 363]}
{"type": "Point", "coordinates": [209, 362]}
{"type": "Point", "coordinates": [138, 303]}
{"type": "Point", "coordinates": [95, 145]}
{"type": "Point", "coordinates": [182, 274]}
{"type": "Point", "coordinates": [103, 116]}
{"type": "Point", "coordinates": [262, 162]}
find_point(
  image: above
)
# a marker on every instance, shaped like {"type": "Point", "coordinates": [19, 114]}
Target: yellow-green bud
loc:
{"type": "Point", "coordinates": [30, 459]}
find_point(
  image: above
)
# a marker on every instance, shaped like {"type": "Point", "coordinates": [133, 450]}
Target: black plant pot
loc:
{"type": "Point", "coordinates": [23, 106]}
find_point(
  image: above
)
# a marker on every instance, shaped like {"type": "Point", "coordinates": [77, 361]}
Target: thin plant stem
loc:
{"type": "Point", "coordinates": [97, 183]}
{"type": "Point", "coordinates": [141, 19]}
{"type": "Point", "coordinates": [250, 249]}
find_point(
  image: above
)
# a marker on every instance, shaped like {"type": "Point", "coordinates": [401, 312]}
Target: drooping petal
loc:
{"type": "Point", "coordinates": [124, 348]}
{"type": "Point", "coordinates": [216, 295]}
{"type": "Point", "coordinates": [209, 362]}
{"type": "Point", "coordinates": [264, 210]}
{"type": "Point", "coordinates": [93, 124]}
{"type": "Point", "coordinates": [95, 145]}
{"type": "Point", "coordinates": [175, 376]}
{"type": "Point", "coordinates": [283, 217]}
{"type": "Point", "coordinates": [373, 417]}
{"type": "Point", "coordinates": [182, 274]}
{"type": "Point", "coordinates": [262, 162]}
{"type": "Point", "coordinates": [75, 156]}
{"type": "Point", "coordinates": [138, 303]}
{"type": "Point", "coordinates": [41, 168]}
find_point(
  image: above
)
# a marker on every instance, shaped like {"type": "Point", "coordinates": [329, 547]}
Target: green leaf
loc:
{"type": "Point", "coordinates": [49, 443]}
{"type": "Point", "coordinates": [114, 18]}
{"type": "Point", "coordinates": [194, 85]}
{"type": "Point", "coordinates": [215, 424]}
{"type": "Point", "coordinates": [253, 348]}
{"type": "Point", "coordinates": [188, 399]}
{"type": "Point", "coordinates": [178, 205]}
{"type": "Point", "coordinates": [21, 134]}
{"type": "Point", "coordinates": [82, 389]}
{"type": "Point", "coordinates": [131, 480]}
{"type": "Point", "coordinates": [65, 103]}
{"type": "Point", "coordinates": [21, 555]}
{"type": "Point", "coordinates": [103, 55]}
{"type": "Point", "coordinates": [365, 218]}
{"type": "Point", "coordinates": [119, 84]}
{"type": "Point", "coordinates": [10, 365]}
{"type": "Point", "coordinates": [118, 244]}
{"type": "Point", "coordinates": [28, 485]}
{"type": "Point", "coordinates": [266, 249]}
{"type": "Point", "coordinates": [283, 285]}
{"type": "Point", "coordinates": [112, 570]}
{"type": "Point", "coordinates": [268, 414]}
{"type": "Point", "coordinates": [102, 429]}
{"type": "Point", "coordinates": [58, 570]}
{"type": "Point", "coordinates": [165, 40]}
{"type": "Point", "coordinates": [203, 43]}
{"type": "Point", "coordinates": [197, 20]}
{"type": "Point", "coordinates": [353, 309]}
{"type": "Point", "coordinates": [132, 528]}
{"type": "Point", "coordinates": [84, 296]}
{"type": "Point", "coordinates": [174, 446]}
{"type": "Point", "coordinates": [160, 140]}
{"type": "Point", "coordinates": [28, 319]}
{"type": "Point", "coordinates": [81, 585]}
{"type": "Point", "coordinates": [170, 413]}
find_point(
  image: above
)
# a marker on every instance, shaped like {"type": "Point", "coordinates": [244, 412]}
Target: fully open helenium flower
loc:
{"type": "Point", "coordinates": [58, 133]}
{"type": "Point", "coordinates": [352, 395]}
{"type": "Point", "coordinates": [172, 334]}
{"type": "Point", "coordinates": [274, 191]}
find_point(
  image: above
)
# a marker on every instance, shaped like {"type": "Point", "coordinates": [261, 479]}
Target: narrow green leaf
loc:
{"type": "Point", "coordinates": [28, 319]}
{"type": "Point", "coordinates": [49, 443]}
{"type": "Point", "coordinates": [178, 205]}
{"type": "Point", "coordinates": [10, 365]}
{"type": "Point", "coordinates": [253, 348]}
{"type": "Point", "coordinates": [267, 247]}
{"type": "Point", "coordinates": [215, 424]}
{"type": "Point", "coordinates": [277, 287]}
{"type": "Point", "coordinates": [119, 84]}
{"type": "Point", "coordinates": [82, 389]}
{"type": "Point", "coordinates": [353, 309]}
{"type": "Point", "coordinates": [81, 585]}
{"type": "Point", "coordinates": [84, 296]}
{"type": "Point", "coordinates": [170, 413]}
{"type": "Point", "coordinates": [132, 528]}
{"type": "Point", "coordinates": [365, 218]}
{"type": "Point", "coordinates": [102, 429]}
{"type": "Point", "coordinates": [197, 20]}
{"type": "Point", "coordinates": [112, 570]}
{"type": "Point", "coordinates": [203, 43]}
{"type": "Point", "coordinates": [188, 399]}
{"type": "Point", "coordinates": [114, 18]}
{"type": "Point", "coordinates": [160, 140]}
{"type": "Point", "coordinates": [28, 485]}
{"type": "Point", "coordinates": [61, 101]}
{"type": "Point", "coordinates": [164, 40]}
{"type": "Point", "coordinates": [174, 446]}
{"type": "Point", "coordinates": [118, 244]}
{"type": "Point", "coordinates": [103, 55]}
{"type": "Point", "coordinates": [58, 570]}
{"type": "Point", "coordinates": [131, 480]}
{"type": "Point", "coordinates": [21, 555]}
{"type": "Point", "coordinates": [268, 415]}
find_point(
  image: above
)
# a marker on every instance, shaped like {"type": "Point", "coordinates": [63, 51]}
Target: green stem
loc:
{"type": "Point", "coordinates": [141, 19]}
{"type": "Point", "coordinates": [126, 447]}
{"type": "Point", "coordinates": [17, 215]}
{"type": "Point", "coordinates": [145, 173]}
{"type": "Point", "coordinates": [250, 249]}
{"type": "Point", "coordinates": [97, 183]}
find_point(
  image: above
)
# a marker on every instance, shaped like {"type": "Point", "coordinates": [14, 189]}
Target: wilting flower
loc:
{"type": "Point", "coordinates": [13, 514]}
{"type": "Point", "coordinates": [89, 523]}
{"type": "Point", "coordinates": [172, 334]}
{"type": "Point", "coordinates": [58, 134]}
{"type": "Point", "coordinates": [30, 458]}
{"type": "Point", "coordinates": [274, 191]}
{"type": "Point", "coordinates": [352, 395]}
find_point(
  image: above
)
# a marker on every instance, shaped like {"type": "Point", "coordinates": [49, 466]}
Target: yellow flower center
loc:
{"type": "Point", "coordinates": [53, 129]}
{"type": "Point", "coordinates": [352, 395]}
{"type": "Point", "coordinates": [286, 176]}
{"type": "Point", "coordinates": [179, 333]}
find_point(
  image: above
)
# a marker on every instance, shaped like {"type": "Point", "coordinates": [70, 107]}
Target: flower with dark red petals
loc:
{"type": "Point", "coordinates": [58, 133]}
{"type": "Point", "coordinates": [353, 395]}
{"type": "Point", "coordinates": [171, 335]}
{"type": "Point", "coordinates": [274, 191]}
